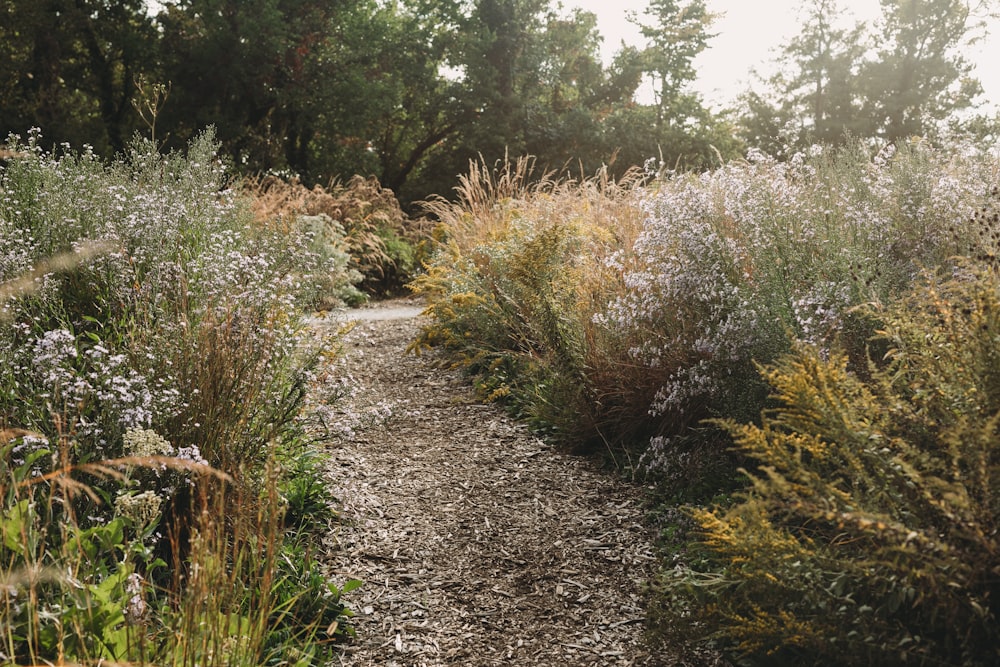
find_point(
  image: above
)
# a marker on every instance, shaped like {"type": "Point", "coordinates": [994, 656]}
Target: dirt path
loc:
{"type": "Point", "coordinates": [478, 544]}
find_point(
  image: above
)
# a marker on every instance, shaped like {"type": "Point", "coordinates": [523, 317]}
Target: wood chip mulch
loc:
{"type": "Point", "coordinates": [478, 543]}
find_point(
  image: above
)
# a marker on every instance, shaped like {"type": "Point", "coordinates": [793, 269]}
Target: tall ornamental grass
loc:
{"type": "Point", "coordinates": [364, 220]}
{"type": "Point", "coordinates": [154, 370]}
{"type": "Point", "coordinates": [523, 264]}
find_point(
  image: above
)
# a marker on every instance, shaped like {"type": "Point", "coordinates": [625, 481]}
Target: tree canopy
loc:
{"type": "Point", "coordinates": [411, 90]}
{"type": "Point", "coordinates": [904, 76]}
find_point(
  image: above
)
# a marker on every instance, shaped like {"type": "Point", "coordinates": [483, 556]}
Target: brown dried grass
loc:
{"type": "Point", "coordinates": [489, 199]}
{"type": "Point", "coordinates": [365, 210]}
{"type": "Point", "coordinates": [609, 391]}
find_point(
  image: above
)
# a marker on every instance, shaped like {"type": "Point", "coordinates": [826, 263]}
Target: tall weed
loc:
{"type": "Point", "coordinates": [522, 266]}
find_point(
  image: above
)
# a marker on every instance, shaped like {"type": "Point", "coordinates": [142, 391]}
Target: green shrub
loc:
{"type": "Point", "coordinates": [870, 535]}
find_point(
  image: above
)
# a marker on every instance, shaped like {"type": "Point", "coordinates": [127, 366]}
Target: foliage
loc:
{"type": "Point", "coordinates": [519, 273]}
{"type": "Point", "coordinates": [870, 533]}
{"type": "Point", "coordinates": [409, 92]}
{"type": "Point", "coordinates": [677, 34]}
{"type": "Point", "coordinates": [733, 263]}
{"type": "Point", "coordinates": [625, 316]}
{"type": "Point", "coordinates": [154, 363]}
{"type": "Point", "coordinates": [906, 77]}
{"type": "Point", "coordinates": [67, 587]}
{"type": "Point", "coordinates": [305, 493]}
{"type": "Point", "coordinates": [257, 596]}
{"type": "Point", "coordinates": [541, 90]}
{"type": "Point", "coordinates": [817, 100]}
{"type": "Point", "coordinates": [70, 65]}
{"type": "Point", "coordinates": [919, 75]}
{"type": "Point", "coordinates": [245, 67]}
{"type": "Point", "coordinates": [400, 101]}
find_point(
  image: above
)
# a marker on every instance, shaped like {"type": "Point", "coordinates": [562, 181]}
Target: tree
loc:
{"type": "Point", "coordinates": [919, 78]}
{"type": "Point", "coordinates": [677, 34]}
{"type": "Point", "coordinates": [501, 31]}
{"type": "Point", "coordinates": [244, 66]}
{"type": "Point", "coordinates": [389, 90]}
{"type": "Point", "coordinates": [69, 66]}
{"type": "Point", "coordinates": [908, 78]}
{"type": "Point", "coordinates": [407, 90]}
{"type": "Point", "coordinates": [535, 85]}
{"type": "Point", "coordinates": [828, 59]}
{"type": "Point", "coordinates": [569, 94]}
{"type": "Point", "coordinates": [816, 96]}
{"type": "Point", "coordinates": [678, 127]}
{"type": "Point", "coordinates": [428, 104]}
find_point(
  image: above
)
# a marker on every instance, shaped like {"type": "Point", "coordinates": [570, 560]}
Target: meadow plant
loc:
{"type": "Point", "coordinates": [359, 219]}
{"type": "Point", "coordinates": [625, 314]}
{"type": "Point", "coordinates": [521, 266]}
{"type": "Point", "coordinates": [76, 584]}
{"type": "Point", "coordinates": [155, 363]}
{"type": "Point", "coordinates": [870, 533]}
{"type": "Point", "coordinates": [257, 596]}
{"type": "Point", "coordinates": [734, 264]}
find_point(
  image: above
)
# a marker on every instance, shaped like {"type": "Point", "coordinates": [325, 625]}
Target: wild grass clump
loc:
{"type": "Point", "coordinates": [359, 218]}
{"type": "Point", "coordinates": [154, 371]}
{"type": "Point", "coordinates": [870, 534]}
{"type": "Point", "coordinates": [523, 266]}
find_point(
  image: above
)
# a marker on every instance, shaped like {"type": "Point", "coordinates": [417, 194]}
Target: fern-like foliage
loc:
{"type": "Point", "coordinates": [871, 533]}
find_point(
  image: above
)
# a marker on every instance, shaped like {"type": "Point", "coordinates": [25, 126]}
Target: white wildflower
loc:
{"type": "Point", "coordinates": [142, 508]}
{"type": "Point", "coordinates": [146, 442]}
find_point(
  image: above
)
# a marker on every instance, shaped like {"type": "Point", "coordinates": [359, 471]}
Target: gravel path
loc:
{"type": "Point", "coordinates": [478, 543]}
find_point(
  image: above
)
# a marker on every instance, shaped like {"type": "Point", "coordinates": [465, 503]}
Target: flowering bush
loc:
{"type": "Point", "coordinates": [754, 251]}
{"type": "Point", "coordinates": [735, 263]}
{"type": "Point", "coordinates": [152, 345]}
{"type": "Point", "coordinates": [628, 314]}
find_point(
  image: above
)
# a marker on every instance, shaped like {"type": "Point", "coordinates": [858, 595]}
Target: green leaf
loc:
{"type": "Point", "coordinates": [351, 584]}
{"type": "Point", "coordinates": [13, 526]}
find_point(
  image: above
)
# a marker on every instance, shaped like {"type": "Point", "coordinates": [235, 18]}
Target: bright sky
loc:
{"type": "Point", "coordinates": [748, 32]}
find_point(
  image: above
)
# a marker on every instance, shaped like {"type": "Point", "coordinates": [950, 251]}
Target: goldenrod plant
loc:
{"type": "Point", "coordinates": [870, 533]}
